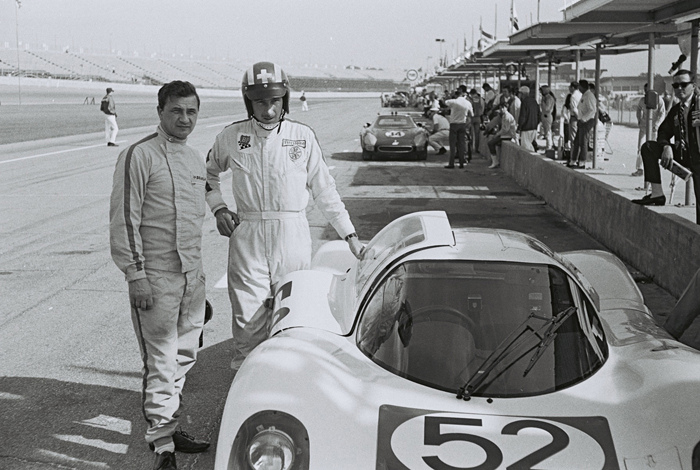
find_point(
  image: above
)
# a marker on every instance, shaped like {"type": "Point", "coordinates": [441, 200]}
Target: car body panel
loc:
{"type": "Point", "coordinates": [639, 407]}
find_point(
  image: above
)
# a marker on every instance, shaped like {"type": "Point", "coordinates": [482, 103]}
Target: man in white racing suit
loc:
{"type": "Point", "coordinates": [157, 209]}
{"type": "Point", "coordinates": [275, 163]}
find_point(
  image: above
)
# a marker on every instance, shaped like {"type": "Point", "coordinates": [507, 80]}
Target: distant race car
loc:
{"type": "Point", "coordinates": [462, 349]}
{"type": "Point", "coordinates": [394, 135]}
{"type": "Point", "coordinates": [398, 100]}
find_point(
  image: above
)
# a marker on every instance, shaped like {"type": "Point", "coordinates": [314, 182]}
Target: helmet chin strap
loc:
{"type": "Point", "coordinates": [269, 127]}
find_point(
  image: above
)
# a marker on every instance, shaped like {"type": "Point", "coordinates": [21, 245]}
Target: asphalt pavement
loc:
{"type": "Point", "coordinates": [70, 376]}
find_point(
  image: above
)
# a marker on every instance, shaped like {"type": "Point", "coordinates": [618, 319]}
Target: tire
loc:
{"type": "Point", "coordinates": [422, 154]}
{"type": "Point", "coordinates": [366, 155]}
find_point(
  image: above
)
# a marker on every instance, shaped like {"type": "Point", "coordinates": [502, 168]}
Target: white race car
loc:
{"type": "Point", "coordinates": [462, 349]}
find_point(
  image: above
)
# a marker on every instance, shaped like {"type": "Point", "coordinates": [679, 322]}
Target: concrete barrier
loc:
{"type": "Point", "coordinates": [665, 247]}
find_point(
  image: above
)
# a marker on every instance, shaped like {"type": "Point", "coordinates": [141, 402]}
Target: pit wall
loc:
{"type": "Point", "coordinates": [664, 247]}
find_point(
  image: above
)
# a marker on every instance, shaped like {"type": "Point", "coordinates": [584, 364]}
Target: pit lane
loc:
{"type": "Point", "coordinates": [69, 379]}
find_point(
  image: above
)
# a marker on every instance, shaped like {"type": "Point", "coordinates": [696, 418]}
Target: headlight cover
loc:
{"type": "Point", "coordinates": [271, 449]}
{"type": "Point", "coordinates": [268, 440]}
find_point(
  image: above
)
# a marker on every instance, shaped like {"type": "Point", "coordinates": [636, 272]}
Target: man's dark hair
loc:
{"type": "Point", "coordinates": [685, 72]}
{"type": "Point", "coordinates": [574, 85]}
{"type": "Point", "coordinates": [583, 84]}
{"type": "Point", "coordinates": [176, 88]}
{"type": "Point", "coordinates": [463, 88]}
{"type": "Point", "coordinates": [486, 87]}
{"type": "Point", "coordinates": [473, 91]}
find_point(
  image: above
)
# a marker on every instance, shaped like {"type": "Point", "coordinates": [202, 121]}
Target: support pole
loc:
{"type": "Point", "coordinates": [578, 65]}
{"type": "Point", "coordinates": [19, 69]}
{"type": "Point", "coordinates": [650, 80]}
{"type": "Point", "coordinates": [595, 115]}
{"type": "Point", "coordinates": [694, 72]}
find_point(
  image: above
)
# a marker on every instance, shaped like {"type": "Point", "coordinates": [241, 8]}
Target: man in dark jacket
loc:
{"type": "Point", "coordinates": [682, 123]}
{"type": "Point", "coordinates": [528, 119]}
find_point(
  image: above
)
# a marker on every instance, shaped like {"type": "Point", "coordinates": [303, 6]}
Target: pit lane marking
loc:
{"type": "Point", "coordinates": [416, 192]}
{"type": "Point", "coordinates": [54, 153]}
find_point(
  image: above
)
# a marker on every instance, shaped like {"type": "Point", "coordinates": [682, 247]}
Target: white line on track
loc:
{"type": "Point", "coordinates": [52, 153]}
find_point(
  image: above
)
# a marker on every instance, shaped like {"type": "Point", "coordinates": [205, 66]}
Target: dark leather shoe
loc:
{"type": "Point", "coordinates": [165, 461]}
{"type": "Point", "coordinates": [651, 201]}
{"type": "Point", "coordinates": [112, 144]}
{"type": "Point", "coordinates": [186, 444]}
{"type": "Point", "coordinates": [442, 151]}
{"type": "Point", "coordinates": [449, 166]}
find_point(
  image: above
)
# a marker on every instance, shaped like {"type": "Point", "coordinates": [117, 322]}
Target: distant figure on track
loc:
{"type": "Point", "coordinates": [304, 103]}
{"type": "Point", "coordinates": [108, 107]}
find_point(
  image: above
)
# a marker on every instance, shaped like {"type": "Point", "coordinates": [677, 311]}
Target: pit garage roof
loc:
{"type": "Point", "coordinates": [501, 54]}
{"type": "Point", "coordinates": [614, 23]}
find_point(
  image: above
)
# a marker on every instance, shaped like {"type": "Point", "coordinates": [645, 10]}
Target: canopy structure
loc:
{"type": "Point", "coordinates": [591, 28]}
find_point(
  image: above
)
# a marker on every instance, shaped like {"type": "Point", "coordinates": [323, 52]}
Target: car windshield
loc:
{"type": "Point", "coordinates": [437, 322]}
{"type": "Point", "coordinates": [394, 122]}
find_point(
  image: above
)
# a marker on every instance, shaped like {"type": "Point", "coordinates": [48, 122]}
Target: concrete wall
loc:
{"type": "Point", "coordinates": [664, 247]}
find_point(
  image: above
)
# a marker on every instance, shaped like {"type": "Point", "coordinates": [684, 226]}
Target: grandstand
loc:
{"type": "Point", "coordinates": [203, 73]}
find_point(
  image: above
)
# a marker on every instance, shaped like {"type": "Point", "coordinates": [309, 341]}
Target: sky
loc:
{"type": "Point", "coordinates": [365, 33]}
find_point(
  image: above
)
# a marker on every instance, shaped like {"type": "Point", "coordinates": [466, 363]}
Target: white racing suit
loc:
{"type": "Point", "coordinates": [273, 173]}
{"type": "Point", "coordinates": [156, 213]}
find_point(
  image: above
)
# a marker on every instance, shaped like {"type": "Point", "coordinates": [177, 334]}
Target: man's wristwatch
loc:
{"type": "Point", "coordinates": [352, 235]}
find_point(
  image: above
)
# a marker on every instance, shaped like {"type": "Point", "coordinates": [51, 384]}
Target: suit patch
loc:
{"type": "Point", "coordinates": [243, 141]}
{"type": "Point", "coordinates": [293, 143]}
{"type": "Point", "coordinates": [295, 153]}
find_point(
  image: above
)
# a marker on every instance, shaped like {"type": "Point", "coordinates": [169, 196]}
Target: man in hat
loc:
{"type": "Point", "coordinates": [109, 108]}
{"type": "Point", "coordinates": [441, 130]}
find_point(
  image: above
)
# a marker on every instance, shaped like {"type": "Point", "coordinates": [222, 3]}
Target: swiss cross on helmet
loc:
{"type": "Point", "coordinates": [265, 80]}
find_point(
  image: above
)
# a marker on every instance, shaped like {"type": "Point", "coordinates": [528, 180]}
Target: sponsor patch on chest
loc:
{"type": "Point", "coordinates": [243, 141]}
{"type": "Point", "coordinates": [293, 143]}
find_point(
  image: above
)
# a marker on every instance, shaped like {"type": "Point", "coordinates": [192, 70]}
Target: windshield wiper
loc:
{"type": "Point", "coordinates": [512, 343]}
{"type": "Point", "coordinates": [549, 335]}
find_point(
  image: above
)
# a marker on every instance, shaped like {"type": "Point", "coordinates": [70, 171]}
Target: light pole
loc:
{"type": "Point", "coordinates": [441, 41]}
{"type": "Point", "coordinates": [19, 69]}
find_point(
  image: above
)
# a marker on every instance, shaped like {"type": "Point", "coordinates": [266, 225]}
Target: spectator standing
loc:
{"type": "Point", "coordinates": [573, 111]}
{"type": "Point", "coordinates": [668, 100]}
{"type": "Point", "coordinates": [461, 114]}
{"type": "Point", "coordinates": [109, 108]}
{"type": "Point", "coordinates": [528, 119]}
{"type": "Point", "coordinates": [489, 96]}
{"type": "Point", "coordinates": [506, 131]}
{"type": "Point", "coordinates": [440, 133]}
{"type": "Point", "coordinates": [156, 212]}
{"type": "Point", "coordinates": [304, 102]}
{"type": "Point", "coordinates": [513, 102]}
{"type": "Point", "coordinates": [586, 110]}
{"type": "Point", "coordinates": [276, 164]}
{"type": "Point", "coordinates": [682, 124]}
{"type": "Point", "coordinates": [657, 116]}
{"type": "Point", "coordinates": [478, 106]}
{"type": "Point", "coordinates": [549, 108]}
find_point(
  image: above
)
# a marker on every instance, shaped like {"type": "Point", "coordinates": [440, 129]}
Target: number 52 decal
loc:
{"type": "Point", "coordinates": [423, 439]}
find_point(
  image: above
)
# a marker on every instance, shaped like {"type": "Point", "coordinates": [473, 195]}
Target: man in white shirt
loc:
{"type": "Point", "coordinates": [441, 131]}
{"type": "Point", "coordinates": [586, 111]}
{"type": "Point", "coordinates": [461, 114]}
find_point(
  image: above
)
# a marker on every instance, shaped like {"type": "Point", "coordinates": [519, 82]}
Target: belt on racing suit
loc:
{"type": "Point", "coordinates": [271, 215]}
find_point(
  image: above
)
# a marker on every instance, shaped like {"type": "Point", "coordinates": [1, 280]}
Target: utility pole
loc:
{"type": "Point", "coordinates": [19, 69]}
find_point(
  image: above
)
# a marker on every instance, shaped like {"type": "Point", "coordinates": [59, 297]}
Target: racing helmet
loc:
{"type": "Point", "coordinates": [265, 80]}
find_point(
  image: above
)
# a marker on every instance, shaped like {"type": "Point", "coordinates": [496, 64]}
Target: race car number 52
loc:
{"type": "Point", "coordinates": [449, 441]}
